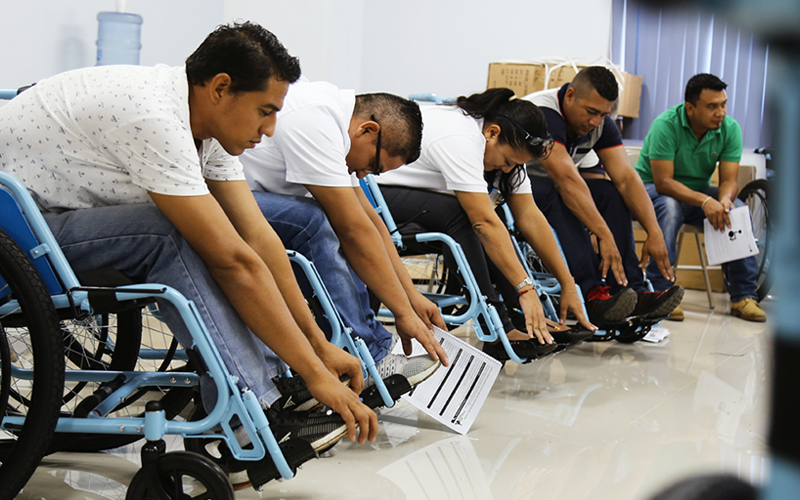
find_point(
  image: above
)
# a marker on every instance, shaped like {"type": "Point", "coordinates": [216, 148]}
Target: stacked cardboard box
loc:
{"type": "Point", "coordinates": [527, 77]}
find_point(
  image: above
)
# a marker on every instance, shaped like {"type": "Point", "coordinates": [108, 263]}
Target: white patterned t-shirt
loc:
{"type": "Point", "coordinates": [108, 135]}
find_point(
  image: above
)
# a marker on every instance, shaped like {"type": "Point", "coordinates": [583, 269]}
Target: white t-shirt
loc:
{"type": "Point", "coordinates": [310, 143]}
{"type": "Point", "coordinates": [106, 136]}
{"type": "Point", "coordinates": [453, 147]}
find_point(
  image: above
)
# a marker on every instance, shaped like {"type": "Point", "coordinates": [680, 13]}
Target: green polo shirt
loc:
{"type": "Point", "coordinates": [671, 138]}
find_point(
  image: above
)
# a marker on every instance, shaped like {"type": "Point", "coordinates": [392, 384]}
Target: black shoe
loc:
{"type": "Point", "coordinates": [530, 349]}
{"type": "Point", "coordinates": [295, 395]}
{"type": "Point", "coordinates": [575, 335]}
{"type": "Point", "coordinates": [603, 308]}
{"type": "Point", "coordinates": [321, 429]}
{"type": "Point", "coordinates": [658, 304]}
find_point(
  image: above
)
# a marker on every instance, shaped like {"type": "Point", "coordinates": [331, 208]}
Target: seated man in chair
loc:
{"type": "Point", "coordinates": [304, 179]}
{"type": "Point", "coordinates": [135, 168]}
{"type": "Point", "coordinates": [679, 156]}
{"type": "Point", "coordinates": [579, 122]}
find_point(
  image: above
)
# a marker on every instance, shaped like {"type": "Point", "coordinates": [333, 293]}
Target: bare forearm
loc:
{"type": "Point", "coordinates": [578, 198]}
{"type": "Point", "coordinates": [257, 299]}
{"type": "Point", "coordinates": [494, 237]}
{"type": "Point", "coordinates": [728, 189]}
{"type": "Point", "coordinates": [674, 189]}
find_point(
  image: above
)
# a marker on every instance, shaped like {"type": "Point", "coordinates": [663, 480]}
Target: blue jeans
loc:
{"type": "Point", "coordinates": [141, 243]}
{"type": "Point", "coordinates": [303, 226]}
{"type": "Point", "coordinates": [740, 275]}
{"type": "Point", "coordinates": [576, 244]}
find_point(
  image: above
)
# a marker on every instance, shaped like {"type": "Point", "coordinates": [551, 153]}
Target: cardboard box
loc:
{"type": "Point", "coordinates": [525, 78]}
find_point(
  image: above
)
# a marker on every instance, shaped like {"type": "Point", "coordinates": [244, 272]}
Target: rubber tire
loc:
{"type": "Point", "coordinates": [21, 456]}
{"type": "Point", "coordinates": [183, 464]}
{"type": "Point", "coordinates": [761, 189]}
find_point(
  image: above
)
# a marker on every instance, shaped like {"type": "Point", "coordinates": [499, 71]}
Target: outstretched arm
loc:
{"type": "Point", "coordinates": [255, 293]}
{"type": "Point", "coordinates": [496, 241]}
{"type": "Point", "coordinates": [367, 254]}
{"type": "Point", "coordinates": [578, 198]}
{"type": "Point", "coordinates": [532, 224]}
{"type": "Point", "coordinates": [632, 190]}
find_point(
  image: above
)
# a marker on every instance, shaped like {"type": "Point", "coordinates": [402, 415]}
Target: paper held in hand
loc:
{"type": "Point", "coordinates": [455, 394]}
{"type": "Point", "coordinates": [735, 242]}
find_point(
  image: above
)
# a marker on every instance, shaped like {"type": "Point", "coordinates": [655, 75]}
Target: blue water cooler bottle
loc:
{"type": "Point", "coordinates": [118, 38]}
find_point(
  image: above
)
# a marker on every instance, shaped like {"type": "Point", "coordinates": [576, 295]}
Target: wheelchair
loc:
{"type": "Point", "coordinates": [422, 253]}
{"type": "Point", "coordinates": [42, 306]}
{"type": "Point", "coordinates": [628, 331]}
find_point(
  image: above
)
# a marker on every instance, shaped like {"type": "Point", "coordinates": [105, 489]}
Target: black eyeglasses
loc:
{"type": "Point", "coordinates": [377, 168]}
{"type": "Point", "coordinates": [534, 141]}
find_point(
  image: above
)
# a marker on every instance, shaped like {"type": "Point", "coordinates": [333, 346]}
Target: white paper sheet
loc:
{"type": "Point", "coordinates": [454, 395]}
{"type": "Point", "coordinates": [736, 242]}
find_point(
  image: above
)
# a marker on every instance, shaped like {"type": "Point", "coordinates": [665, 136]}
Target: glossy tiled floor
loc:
{"type": "Point", "coordinates": [601, 421]}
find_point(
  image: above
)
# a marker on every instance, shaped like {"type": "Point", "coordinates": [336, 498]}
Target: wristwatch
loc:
{"type": "Point", "coordinates": [527, 281]}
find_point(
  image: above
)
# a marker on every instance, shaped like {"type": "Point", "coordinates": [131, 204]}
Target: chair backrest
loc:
{"type": "Point", "coordinates": [16, 226]}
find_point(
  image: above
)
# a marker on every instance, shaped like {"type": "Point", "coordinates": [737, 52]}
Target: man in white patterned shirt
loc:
{"type": "Point", "coordinates": [135, 169]}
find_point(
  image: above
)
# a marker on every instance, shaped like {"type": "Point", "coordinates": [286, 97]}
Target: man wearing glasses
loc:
{"type": "Point", "coordinates": [302, 178]}
{"type": "Point", "coordinates": [579, 122]}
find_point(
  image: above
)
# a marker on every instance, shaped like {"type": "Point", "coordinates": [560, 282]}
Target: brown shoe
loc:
{"type": "Point", "coordinates": [748, 309]}
{"type": "Point", "coordinates": [676, 314]}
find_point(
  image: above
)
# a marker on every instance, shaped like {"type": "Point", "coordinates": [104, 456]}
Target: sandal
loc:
{"type": "Point", "coordinates": [563, 334]}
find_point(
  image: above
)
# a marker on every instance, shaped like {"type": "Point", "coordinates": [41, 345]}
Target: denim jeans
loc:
{"type": "Point", "coordinates": [303, 226]}
{"type": "Point", "coordinates": [583, 261]}
{"type": "Point", "coordinates": [740, 275]}
{"type": "Point", "coordinates": [141, 243]}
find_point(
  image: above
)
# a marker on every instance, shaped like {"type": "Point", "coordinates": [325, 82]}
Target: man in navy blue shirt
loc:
{"type": "Point", "coordinates": [574, 199]}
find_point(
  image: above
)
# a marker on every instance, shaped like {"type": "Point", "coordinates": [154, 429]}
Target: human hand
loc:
{"type": "Point", "coordinates": [411, 327]}
{"type": "Point", "coordinates": [717, 212]}
{"type": "Point", "coordinates": [611, 259]}
{"type": "Point", "coordinates": [362, 423]}
{"type": "Point", "coordinates": [427, 311]}
{"type": "Point", "coordinates": [570, 301]}
{"type": "Point", "coordinates": [535, 323]}
{"type": "Point", "coordinates": [656, 248]}
{"type": "Point", "coordinates": [340, 362]}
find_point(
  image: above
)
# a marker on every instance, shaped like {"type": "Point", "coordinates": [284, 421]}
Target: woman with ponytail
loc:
{"type": "Point", "coordinates": [482, 142]}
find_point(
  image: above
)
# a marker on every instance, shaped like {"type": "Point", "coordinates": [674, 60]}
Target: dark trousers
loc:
{"type": "Point", "coordinates": [583, 261]}
{"type": "Point", "coordinates": [442, 213]}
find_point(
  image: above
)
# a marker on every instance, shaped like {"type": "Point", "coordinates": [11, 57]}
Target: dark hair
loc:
{"type": "Point", "coordinates": [598, 78]}
{"type": "Point", "coordinates": [400, 121]}
{"type": "Point", "coordinates": [696, 84]}
{"type": "Point", "coordinates": [250, 54]}
{"type": "Point", "coordinates": [522, 126]}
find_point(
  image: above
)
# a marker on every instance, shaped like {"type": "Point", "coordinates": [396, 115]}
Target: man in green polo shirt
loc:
{"type": "Point", "coordinates": [679, 155]}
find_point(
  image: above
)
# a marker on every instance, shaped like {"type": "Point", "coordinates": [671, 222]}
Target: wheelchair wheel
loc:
{"type": "Point", "coordinates": [29, 325]}
{"type": "Point", "coordinates": [128, 340]}
{"type": "Point", "coordinates": [183, 476]}
{"type": "Point", "coordinates": [755, 195]}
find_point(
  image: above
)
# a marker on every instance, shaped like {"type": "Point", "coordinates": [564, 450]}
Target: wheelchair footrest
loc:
{"type": "Point", "coordinates": [295, 451]}
{"type": "Point", "coordinates": [396, 384]}
{"type": "Point", "coordinates": [627, 332]}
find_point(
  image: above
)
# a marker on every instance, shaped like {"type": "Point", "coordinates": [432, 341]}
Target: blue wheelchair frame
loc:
{"type": "Point", "coordinates": [476, 305]}
{"type": "Point", "coordinates": [21, 216]}
{"type": "Point", "coordinates": [546, 284]}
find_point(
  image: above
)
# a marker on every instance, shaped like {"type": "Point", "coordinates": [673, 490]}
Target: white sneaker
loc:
{"type": "Point", "coordinates": [415, 369]}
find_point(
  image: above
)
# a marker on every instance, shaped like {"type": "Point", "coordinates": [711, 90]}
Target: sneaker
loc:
{"type": "Point", "coordinates": [658, 304]}
{"type": "Point", "coordinates": [295, 395]}
{"type": "Point", "coordinates": [321, 429]}
{"type": "Point", "coordinates": [749, 310]}
{"type": "Point", "coordinates": [676, 314]}
{"type": "Point", "coordinates": [604, 308]}
{"type": "Point", "coordinates": [239, 480]}
{"type": "Point", "coordinates": [415, 369]}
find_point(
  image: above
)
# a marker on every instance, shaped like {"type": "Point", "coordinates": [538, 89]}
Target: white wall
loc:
{"type": "Point", "coordinates": [40, 38]}
{"type": "Point", "coordinates": [442, 46]}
